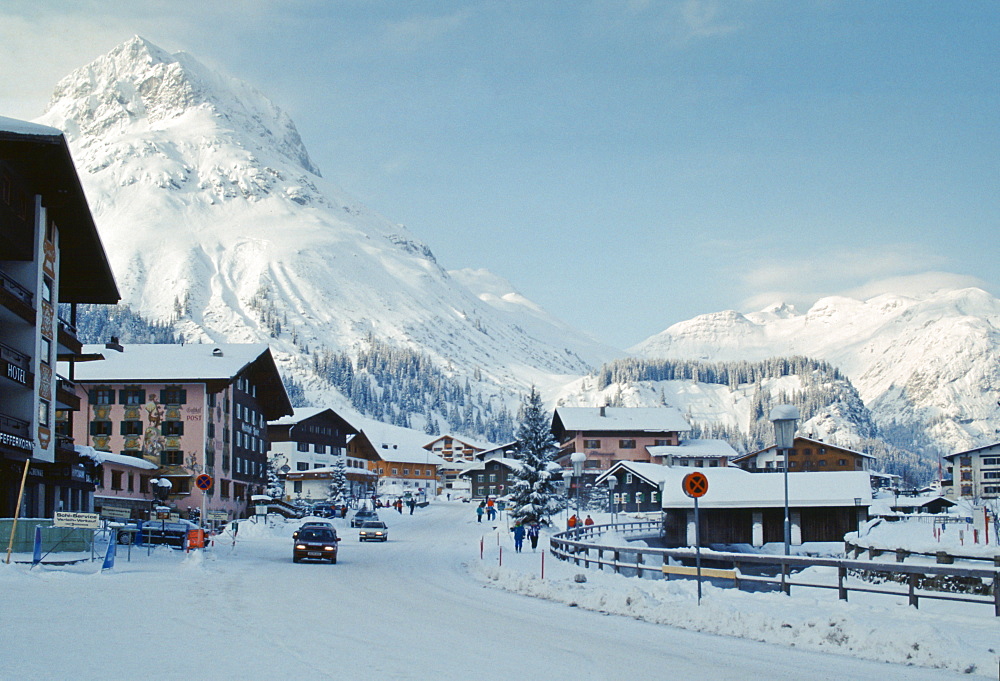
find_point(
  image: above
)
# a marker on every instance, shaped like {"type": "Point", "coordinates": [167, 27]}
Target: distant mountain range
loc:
{"type": "Point", "coordinates": [220, 228]}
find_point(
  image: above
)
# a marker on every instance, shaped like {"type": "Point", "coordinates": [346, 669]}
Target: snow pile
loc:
{"type": "Point", "coordinates": [958, 637]}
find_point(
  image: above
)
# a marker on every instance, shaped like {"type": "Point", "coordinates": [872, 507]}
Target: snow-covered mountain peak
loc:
{"type": "Point", "coordinates": [138, 89]}
{"type": "Point", "coordinates": [918, 358]}
{"type": "Point", "coordinates": [217, 223]}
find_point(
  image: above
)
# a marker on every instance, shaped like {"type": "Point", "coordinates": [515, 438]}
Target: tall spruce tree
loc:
{"type": "Point", "coordinates": [339, 486]}
{"type": "Point", "coordinates": [534, 495]}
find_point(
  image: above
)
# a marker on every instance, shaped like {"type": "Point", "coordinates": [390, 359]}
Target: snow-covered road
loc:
{"type": "Point", "coordinates": [405, 609]}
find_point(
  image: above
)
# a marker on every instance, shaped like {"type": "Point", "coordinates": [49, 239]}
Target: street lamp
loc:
{"type": "Point", "coordinates": [784, 417]}
{"type": "Point", "coordinates": [577, 459]}
{"type": "Point", "coordinates": [612, 483]}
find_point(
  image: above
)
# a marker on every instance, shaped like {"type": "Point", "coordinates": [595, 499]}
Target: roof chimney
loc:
{"type": "Point", "coordinates": [113, 344]}
{"type": "Point", "coordinates": [217, 352]}
{"type": "Point", "coordinates": [603, 407]}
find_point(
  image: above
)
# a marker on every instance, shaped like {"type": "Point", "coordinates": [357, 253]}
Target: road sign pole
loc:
{"type": "Point", "coordinates": [697, 546]}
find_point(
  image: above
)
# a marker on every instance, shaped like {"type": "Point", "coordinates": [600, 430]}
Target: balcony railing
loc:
{"type": "Point", "coordinates": [18, 291]}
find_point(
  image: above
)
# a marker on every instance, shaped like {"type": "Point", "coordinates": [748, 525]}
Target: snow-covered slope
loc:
{"type": "Point", "coordinates": [213, 215]}
{"type": "Point", "coordinates": [930, 362]}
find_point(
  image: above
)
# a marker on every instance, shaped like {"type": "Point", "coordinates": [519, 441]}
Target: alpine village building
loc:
{"type": "Point", "coordinates": [189, 410]}
{"type": "Point", "coordinates": [50, 255]}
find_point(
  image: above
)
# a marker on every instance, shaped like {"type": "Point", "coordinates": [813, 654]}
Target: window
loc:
{"type": "Point", "coordinates": [626, 444]}
{"type": "Point", "coordinates": [171, 457]}
{"type": "Point", "coordinates": [966, 475]}
{"type": "Point", "coordinates": [43, 412]}
{"type": "Point", "coordinates": [46, 350]}
{"type": "Point", "coordinates": [301, 466]}
{"type": "Point", "coordinates": [791, 465]}
{"type": "Point", "coordinates": [628, 478]}
{"type": "Point", "coordinates": [653, 497]}
{"type": "Point", "coordinates": [100, 427]}
{"type": "Point", "coordinates": [102, 396]}
{"type": "Point", "coordinates": [661, 443]}
{"type": "Point", "coordinates": [173, 395]}
{"type": "Point", "coordinates": [714, 463]}
{"type": "Point", "coordinates": [131, 396]}
{"type": "Point", "coordinates": [591, 444]}
{"type": "Point", "coordinates": [989, 461]}
{"type": "Point", "coordinates": [991, 490]}
{"type": "Point", "coordinates": [965, 461]}
{"type": "Point", "coordinates": [321, 449]}
{"type": "Point", "coordinates": [638, 497]}
{"type": "Point", "coordinates": [493, 477]}
{"type": "Point", "coordinates": [821, 462]}
{"type": "Point", "coordinates": [991, 475]}
{"type": "Point", "coordinates": [841, 462]}
{"type": "Point", "coordinates": [395, 471]}
{"type": "Point", "coordinates": [406, 471]}
{"type": "Point", "coordinates": [210, 400]}
{"type": "Point", "coordinates": [806, 451]}
{"type": "Point", "coordinates": [46, 289]}
{"type": "Point", "coordinates": [131, 483]}
{"type": "Point", "coordinates": [210, 429]}
{"type": "Point", "coordinates": [480, 478]}
{"type": "Point", "coordinates": [302, 446]}
{"type": "Point", "coordinates": [131, 428]}
{"type": "Point", "coordinates": [224, 489]}
{"type": "Point", "coordinates": [144, 483]}
{"type": "Point", "coordinates": [116, 480]}
{"type": "Point", "coordinates": [173, 428]}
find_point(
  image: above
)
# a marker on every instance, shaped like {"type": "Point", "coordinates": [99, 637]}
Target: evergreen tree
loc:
{"type": "Point", "coordinates": [533, 494]}
{"type": "Point", "coordinates": [340, 487]}
{"type": "Point", "coordinates": [275, 488]}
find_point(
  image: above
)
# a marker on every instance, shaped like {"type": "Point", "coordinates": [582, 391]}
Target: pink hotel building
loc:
{"type": "Point", "coordinates": [187, 409]}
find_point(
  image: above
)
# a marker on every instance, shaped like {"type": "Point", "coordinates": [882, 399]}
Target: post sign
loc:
{"type": "Point", "coordinates": [89, 521]}
{"type": "Point", "coordinates": [115, 512]}
{"type": "Point", "coordinates": [695, 485]}
{"type": "Point", "coordinates": [217, 516]}
{"type": "Point", "coordinates": [203, 482]}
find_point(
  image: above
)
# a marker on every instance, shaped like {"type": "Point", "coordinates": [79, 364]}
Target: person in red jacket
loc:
{"type": "Point", "coordinates": [589, 521]}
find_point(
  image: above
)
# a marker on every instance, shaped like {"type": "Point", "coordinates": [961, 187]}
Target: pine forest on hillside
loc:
{"type": "Point", "coordinates": [406, 388]}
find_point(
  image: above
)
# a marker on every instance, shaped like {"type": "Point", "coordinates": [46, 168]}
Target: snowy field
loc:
{"type": "Point", "coordinates": [424, 605]}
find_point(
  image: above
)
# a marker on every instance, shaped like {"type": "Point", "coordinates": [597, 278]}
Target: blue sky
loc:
{"type": "Point", "coordinates": [626, 164]}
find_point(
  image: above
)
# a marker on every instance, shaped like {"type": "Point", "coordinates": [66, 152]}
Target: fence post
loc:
{"type": "Point", "coordinates": [913, 590]}
{"type": "Point", "coordinates": [600, 559]}
{"type": "Point", "coordinates": [638, 564]}
{"type": "Point", "coordinates": [786, 585]}
{"type": "Point", "coordinates": [841, 590]}
{"type": "Point", "coordinates": [616, 556]}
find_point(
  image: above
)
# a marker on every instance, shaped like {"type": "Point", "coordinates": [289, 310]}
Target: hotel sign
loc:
{"type": "Point", "coordinates": [15, 373]}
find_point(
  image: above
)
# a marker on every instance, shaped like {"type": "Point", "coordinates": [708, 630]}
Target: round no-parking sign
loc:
{"type": "Point", "coordinates": [203, 482]}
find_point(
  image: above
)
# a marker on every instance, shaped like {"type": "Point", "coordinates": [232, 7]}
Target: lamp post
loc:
{"type": "Point", "coordinates": [784, 417]}
{"type": "Point", "coordinates": [577, 459]}
{"type": "Point", "coordinates": [612, 483]}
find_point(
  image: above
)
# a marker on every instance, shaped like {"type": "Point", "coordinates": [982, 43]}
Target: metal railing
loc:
{"type": "Point", "coordinates": [18, 291]}
{"type": "Point", "coordinates": [970, 585]}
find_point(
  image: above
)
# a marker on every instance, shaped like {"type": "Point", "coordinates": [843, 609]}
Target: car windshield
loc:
{"type": "Point", "coordinates": [315, 534]}
{"type": "Point", "coordinates": [378, 525]}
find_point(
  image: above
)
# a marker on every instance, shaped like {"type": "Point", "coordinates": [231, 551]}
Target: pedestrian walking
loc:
{"type": "Point", "coordinates": [413, 505]}
{"type": "Point", "coordinates": [588, 522]}
{"type": "Point", "coordinates": [519, 533]}
{"type": "Point", "coordinates": [533, 531]}
{"type": "Point", "coordinates": [571, 522]}
{"type": "Point", "coordinates": [480, 510]}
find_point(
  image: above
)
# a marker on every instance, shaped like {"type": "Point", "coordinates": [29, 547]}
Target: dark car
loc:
{"type": "Point", "coordinates": [362, 516]}
{"type": "Point", "coordinates": [315, 543]}
{"type": "Point", "coordinates": [314, 523]}
{"type": "Point", "coordinates": [373, 530]}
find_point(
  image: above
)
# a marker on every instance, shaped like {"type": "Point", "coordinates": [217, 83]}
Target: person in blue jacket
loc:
{"type": "Point", "coordinates": [479, 511]}
{"type": "Point", "coordinates": [519, 532]}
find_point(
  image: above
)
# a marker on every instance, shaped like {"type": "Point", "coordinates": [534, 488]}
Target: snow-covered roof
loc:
{"type": "Point", "coordinates": [299, 414]}
{"type": "Point", "coordinates": [734, 487]}
{"type": "Point", "coordinates": [646, 419]}
{"type": "Point", "coordinates": [18, 127]}
{"type": "Point", "coordinates": [169, 362]}
{"type": "Point", "coordinates": [652, 473]}
{"type": "Point", "coordinates": [977, 450]}
{"type": "Point", "coordinates": [797, 443]}
{"type": "Point", "coordinates": [476, 444]}
{"type": "Point", "coordinates": [512, 464]}
{"type": "Point", "coordinates": [121, 459]}
{"type": "Point", "coordinates": [695, 449]}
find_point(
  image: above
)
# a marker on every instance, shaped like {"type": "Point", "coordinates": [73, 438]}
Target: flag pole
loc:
{"type": "Point", "coordinates": [17, 509]}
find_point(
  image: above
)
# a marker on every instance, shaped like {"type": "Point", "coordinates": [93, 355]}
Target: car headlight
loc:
{"type": "Point", "coordinates": [300, 546]}
{"type": "Point", "coordinates": [328, 548]}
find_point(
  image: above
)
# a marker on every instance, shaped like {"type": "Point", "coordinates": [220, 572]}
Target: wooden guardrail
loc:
{"type": "Point", "coordinates": [938, 582]}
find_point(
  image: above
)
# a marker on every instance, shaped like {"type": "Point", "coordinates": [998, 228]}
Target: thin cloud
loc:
{"type": "Point", "coordinates": [856, 273]}
{"type": "Point", "coordinates": [417, 32]}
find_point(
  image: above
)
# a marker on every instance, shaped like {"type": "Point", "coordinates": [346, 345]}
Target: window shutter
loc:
{"type": "Point", "coordinates": [121, 397]}
{"type": "Point", "coordinates": [183, 396]}
{"type": "Point", "coordinates": [163, 396]}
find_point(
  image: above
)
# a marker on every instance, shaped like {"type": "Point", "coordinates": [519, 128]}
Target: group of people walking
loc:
{"type": "Point", "coordinates": [522, 529]}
